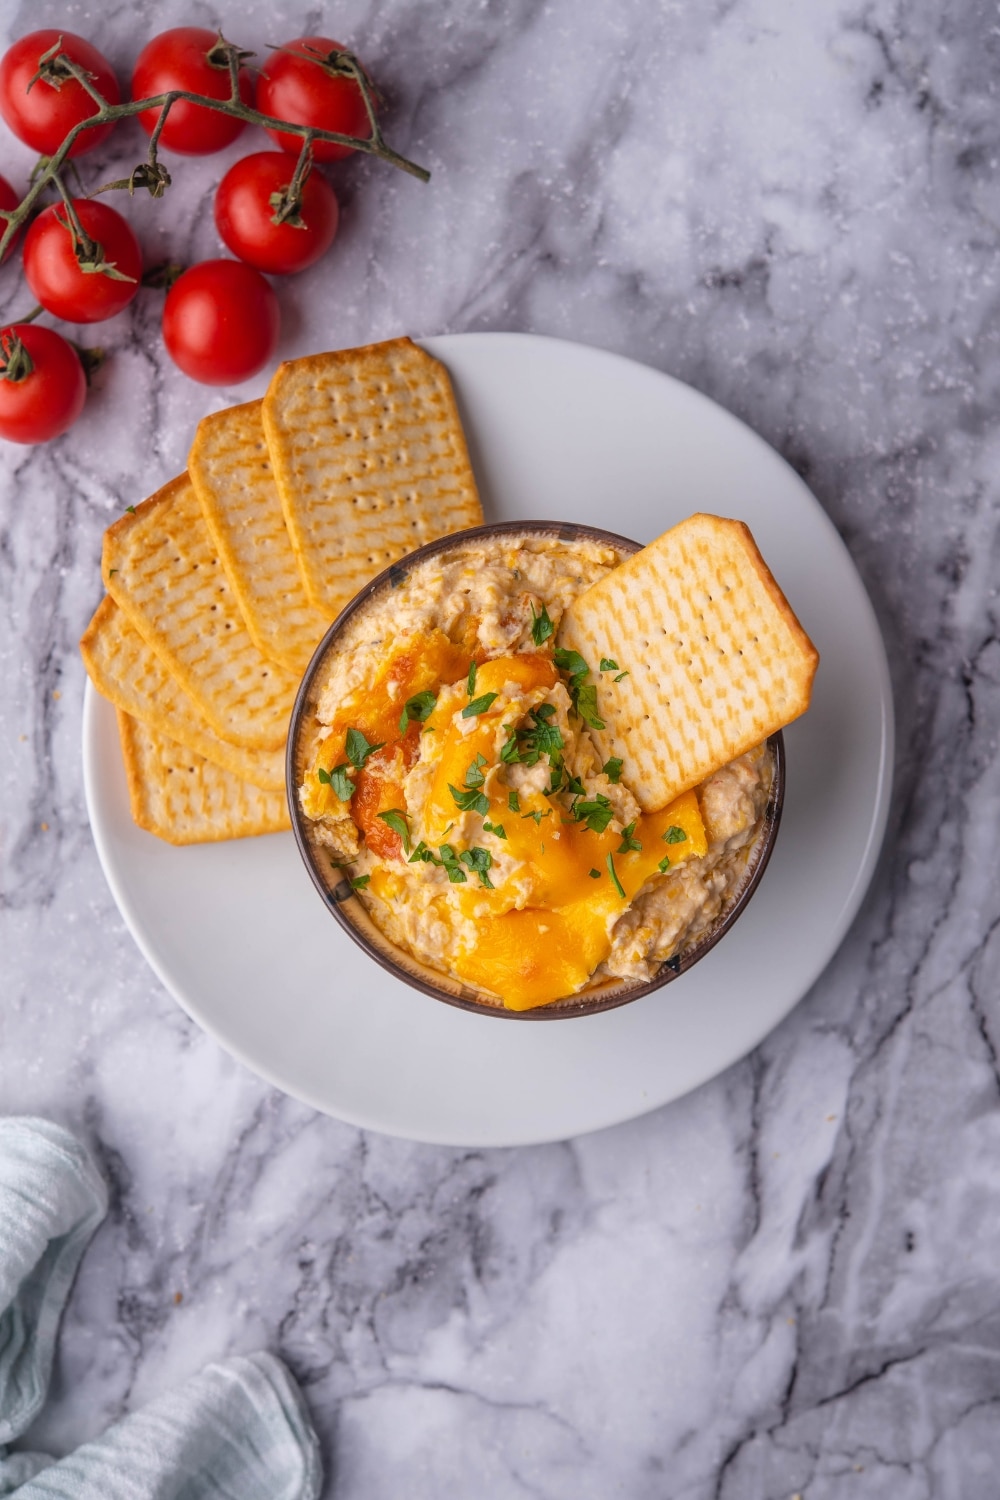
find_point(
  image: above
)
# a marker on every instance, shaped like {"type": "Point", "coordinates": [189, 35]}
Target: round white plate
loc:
{"type": "Point", "coordinates": [241, 939]}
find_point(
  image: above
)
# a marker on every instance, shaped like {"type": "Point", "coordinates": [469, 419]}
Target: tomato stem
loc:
{"type": "Point", "coordinates": [287, 204]}
{"type": "Point", "coordinates": [16, 363]}
{"type": "Point", "coordinates": [151, 174]}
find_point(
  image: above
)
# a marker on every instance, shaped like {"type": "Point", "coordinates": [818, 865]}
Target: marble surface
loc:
{"type": "Point", "coordinates": [784, 1284]}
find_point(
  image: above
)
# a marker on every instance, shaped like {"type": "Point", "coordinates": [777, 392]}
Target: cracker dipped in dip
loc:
{"type": "Point", "coordinates": [453, 770]}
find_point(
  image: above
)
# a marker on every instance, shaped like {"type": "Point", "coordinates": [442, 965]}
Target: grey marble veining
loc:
{"type": "Point", "coordinates": [784, 1284]}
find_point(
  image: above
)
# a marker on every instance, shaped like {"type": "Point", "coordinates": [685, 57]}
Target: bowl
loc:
{"type": "Point", "coordinates": [342, 900]}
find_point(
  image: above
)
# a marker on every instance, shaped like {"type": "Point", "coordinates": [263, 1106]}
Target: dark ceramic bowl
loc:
{"type": "Point", "coordinates": [349, 911]}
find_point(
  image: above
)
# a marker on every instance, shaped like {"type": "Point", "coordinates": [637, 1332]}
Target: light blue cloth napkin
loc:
{"type": "Point", "coordinates": [236, 1431]}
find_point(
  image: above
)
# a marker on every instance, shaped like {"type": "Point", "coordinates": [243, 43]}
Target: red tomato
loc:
{"type": "Point", "coordinates": [220, 322]}
{"type": "Point", "coordinates": [183, 59]}
{"type": "Point", "coordinates": [57, 272]}
{"type": "Point", "coordinates": [44, 117]}
{"type": "Point", "coordinates": [295, 86]}
{"type": "Point", "coordinates": [8, 201]}
{"type": "Point", "coordinates": [244, 214]}
{"type": "Point", "coordinates": [39, 402]}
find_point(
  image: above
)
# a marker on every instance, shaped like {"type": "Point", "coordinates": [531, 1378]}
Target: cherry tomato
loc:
{"type": "Point", "coordinates": [244, 214]}
{"type": "Point", "coordinates": [42, 384]}
{"type": "Point", "coordinates": [186, 58]}
{"type": "Point", "coordinates": [44, 117]}
{"type": "Point", "coordinates": [220, 322]}
{"type": "Point", "coordinates": [8, 201]}
{"type": "Point", "coordinates": [296, 85]}
{"type": "Point", "coordinates": [63, 274]}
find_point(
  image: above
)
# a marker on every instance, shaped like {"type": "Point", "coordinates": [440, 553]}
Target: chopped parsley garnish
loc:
{"type": "Point", "coordinates": [470, 801]}
{"type": "Point", "coordinates": [358, 748]}
{"type": "Point", "coordinates": [620, 676]}
{"type": "Point", "coordinates": [130, 509]}
{"type": "Point", "coordinates": [513, 802]}
{"type": "Point", "coordinates": [526, 746]}
{"type": "Point", "coordinates": [613, 769]}
{"type": "Point", "coordinates": [538, 816]}
{"type": "Point", "coordinates": [359, 882]}
{"type": "Point", "coordinates": [614, 876]}
{"type": "Point", "coordinates": [496, 828]}
{"type": "Point", "coordinates": [479, 860]}
{"type": "Point", "coordinates": [674, 835]}
{"type": "Point", "coordinates": [423, 855]}
{"type": "Point", "coordinates": [575, 787]}
{"type": "Point", "coordinates": [608, 664]}
{"type": "Point", "coordinates": [397, 822]}
{"type": "Point", "coordinates": [583, 694]}
{"type": "Point", "coordinates": [664, 864]}
{"type": "Point", "coordinates": [418, 709]}
{"type": "Point", "coordinates": [555, 781]}
{"type": "Point", "coordinates": [451, 866]}
{"type": "Point", "coordinates": [541, 626]}
{"type": "Point", "coordinates": [474, 775]}
{"type": "Point", "coordinates": [596, 812]}
{"type": "Point", "coordinates": [478, 705]}
{"type": "Point", "coordinates": [595, 874]}
{"type": "Point", "coordinates": [470, 681]}
{"type": "Point", "coordinates": [629, 841]}
{"type": "Point", "coordinates": [338, 778]}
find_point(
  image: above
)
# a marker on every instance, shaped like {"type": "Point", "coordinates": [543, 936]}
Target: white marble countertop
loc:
{"type": "Point", "coordinates": [784, 1284]}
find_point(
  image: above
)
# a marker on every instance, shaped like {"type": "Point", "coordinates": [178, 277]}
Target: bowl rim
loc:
{"type": "Point", "coordinates": [335, 899]}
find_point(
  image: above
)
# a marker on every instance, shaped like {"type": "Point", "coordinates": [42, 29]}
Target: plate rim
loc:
{"type": "Point", "coordinates": [863, 873]}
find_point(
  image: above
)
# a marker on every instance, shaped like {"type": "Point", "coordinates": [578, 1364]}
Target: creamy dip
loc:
{"type": "Point", "coordinates": [451, 770]}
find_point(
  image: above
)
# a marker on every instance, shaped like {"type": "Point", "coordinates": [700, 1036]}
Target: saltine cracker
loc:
{"type": "Point", "coordinates": [370, 460]}
{"type": "Point", "coordinates": [715, 658]}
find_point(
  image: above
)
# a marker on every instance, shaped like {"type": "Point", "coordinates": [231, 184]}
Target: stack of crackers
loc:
{"type": "Point", "coordinates": [221, 585]}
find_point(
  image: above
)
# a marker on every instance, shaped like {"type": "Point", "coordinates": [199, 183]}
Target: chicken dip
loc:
{"type": "Point", "coordinates": [451, 771]}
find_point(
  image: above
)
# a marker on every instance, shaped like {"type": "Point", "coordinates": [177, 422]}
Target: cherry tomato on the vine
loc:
{"type": "Point", "coordinates": [43, 117]}
{"type": "Point", "coordinates": [221, 322]}
{"type": "Point", "coordinates": [188, 58]}
{"type": "Point", "coordinates": [8, 202]}
{"type": "Point", "coordinates": [245, 209]}
{"type": "Point", "coordinates": [64, 272]}
{"type": "Point", "coordinates": [42, 384]}
{"type": "Point", "coordinates": [297, 85]}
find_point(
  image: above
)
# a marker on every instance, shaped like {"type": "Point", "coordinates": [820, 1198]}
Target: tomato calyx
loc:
{"type": "Point", "coordinates": [162, 277]}
{"type": "Point", "coordinates": [89, 253]}
{"type": "Point", "coordinates": [287, 202]}
{"type": "Point", "coordinates": [91, 360]}
{"type": "Point", "coordinates": [151, 175]}
{"type": "Point", "coordinates": [16, 363]}
{"type": "Point", "coordinates": [228, 58]}
{"type": "Point", "coordinates": [55, 69]}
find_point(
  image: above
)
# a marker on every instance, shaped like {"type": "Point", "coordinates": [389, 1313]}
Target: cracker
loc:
{"type": "Point", "coordinates": [160, 566]}
{"type": "Point", "coordinates": [716, 660]}
{"type": "Point", "coordinates": [231, 471]}
{"type": "Point", "coordinates": [128, 672]}
{"type": "Point", "coordinates": [370, 461]}
{"type": "Point", "coordinates": [185, 799]}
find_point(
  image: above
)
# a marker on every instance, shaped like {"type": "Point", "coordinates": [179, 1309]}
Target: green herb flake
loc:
{"type": "Point", "coordinates": [480, 861]}
{"type": "Point", "coordinates": [541, 626]}
{"type": "Point", "coordinates": [664, 864]}
{"type": "Point", "coordinates": [608, 665]}
{"type": "Point", "coordinates": [570, 662]}
{"type": "Point", "coordinates": [423, 855]}
{"type": "Point", "coordinates": [614, 876]}
{"type": "Point", "coordinates": [358, 748]}
{"type": "Point", "coordinates": [339, 780]}
{"type": "Point", "coordinates": [596, 812]}
{"type": "Point", "coordinates": [397, 822]}
{"type": "Point", "coordinates": [452, 868]}
{"type": "Point", "coordinates": [359, 882]}
{"type": "Point", "coordinates": [470, 681]}
{"type": "Point", "coordinates": [595, 874]}
{"type": "Point", "coordinates": [675, 835]}
{"type": "Point", "coordinates": [513, 802]}
{"type": "Point", "coordinates": [583, 694]}
{"type": "Point", "coordinates": [613, 769]}
{"type": "Point", "coordinates": [620, 676]}
{"type": "Point", "coordinates": [494, 828]}
{"type": "Point", "coordinates": [585, 703]}
{"type": "Point", "coordinates": [130, 509]}
{"type": "Point", "coordinates": [470, 801]}
{"type": "Point", "coordinates": [417, 709]}
{"type": "Point", "coordinates": [629, 841]}
{"type": "Point", "coordinates": [538, 816]}
{"type": "Point", "coordinates": [112, 572]}
{"type": "Point", "coordinates": [474, 775]}
{"type": "Point", "coordinates": [479, 705]}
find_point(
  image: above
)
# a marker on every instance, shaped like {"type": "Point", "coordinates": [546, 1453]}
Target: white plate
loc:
{"type": "Point", "coordinates": [241, 939]}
